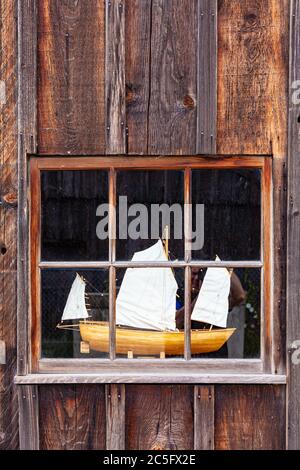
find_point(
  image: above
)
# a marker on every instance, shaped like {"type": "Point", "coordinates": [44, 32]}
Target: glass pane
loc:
{"type": "Point", "coordinates": [226, 214]}
{"type": "Point", "coordinates": [147, 202]}
{"type": "Point", "coordinates": [59, 286]}
{"type": "Point", "coordinates": [240, 310]}
{"type": "Point", "coordinates": [70, 200]}
{"type": "Point", "coordinates": [147, 302]}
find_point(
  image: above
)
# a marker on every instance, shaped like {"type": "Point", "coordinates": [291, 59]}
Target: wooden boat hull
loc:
{"type": "Point", "coordinates": [152, 343]}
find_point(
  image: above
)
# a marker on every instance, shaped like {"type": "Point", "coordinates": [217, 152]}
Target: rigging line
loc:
{"type": "Point", "coordinates": [93, 287]}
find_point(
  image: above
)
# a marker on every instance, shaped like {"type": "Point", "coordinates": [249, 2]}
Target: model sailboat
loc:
{"type": "Point", "coordinates": [146, 311]}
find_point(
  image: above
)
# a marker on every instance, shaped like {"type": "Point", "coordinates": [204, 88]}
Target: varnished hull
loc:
{"type": "Point", "coordinates": [152, 343]}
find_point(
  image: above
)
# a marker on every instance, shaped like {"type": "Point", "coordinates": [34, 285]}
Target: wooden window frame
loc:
{"type": "Point", "coordinates": [186, 366]}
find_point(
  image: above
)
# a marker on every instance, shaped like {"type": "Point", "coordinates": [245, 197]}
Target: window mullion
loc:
{"type": "Point", "coordinates": [112, 258]}
{"type": "Point", "coordinates": [187, 251]}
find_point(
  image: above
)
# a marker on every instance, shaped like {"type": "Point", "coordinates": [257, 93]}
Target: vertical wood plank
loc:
{"type": "Point", "coordinates": [27, 143]}
{"type": "Point", "coordinates": [115, 417]}
{"type": "Point", "coordinates": [252, 76]}
{"type": "Point", "coordinates": [204, 425]}
{"type": "Point", "coordinates": [173, 80]}
{"type": "Point", "coordinates": [29, 417]}
{"type": "Point", "coordinates": [72, 417]}
{"type": "Point", "coordinates": [71, 89]}
{"type": "Point", "coordinates": [293, 251]}
{"type": "Point", "coordinates": [207, 77]}
{"type": "Point", "coordinates": [138, 64]}
{"type": "Point", "coordinates": [249, 417]}
{"type": "Point", "coordinates": [115, 77]}
{"type": "Point", "coordinates": [8, 224]}
{"type": "Point", "coordinates": [159, 417]}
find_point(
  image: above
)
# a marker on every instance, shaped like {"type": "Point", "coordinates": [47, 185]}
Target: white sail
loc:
{"type": "Point", "coordinates": [147, 297]}
{"type": "Point", "coordinates": [75, 307]}
{"type": "Point", "coordinates": [212, 304]}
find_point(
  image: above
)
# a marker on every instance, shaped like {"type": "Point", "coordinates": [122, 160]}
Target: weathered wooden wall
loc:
{"type": "Point", "coordinates": [161, 417]}
{"type": "Point", "coordinates": [130, 85]}
{"type": "Point", "coordinates": [9, 438]}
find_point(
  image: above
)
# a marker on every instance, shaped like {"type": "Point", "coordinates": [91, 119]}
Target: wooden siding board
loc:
{"type": "Point", "coordinates": [252, 76]}
{"type": "Point", "coordinates": [250, 417]}
{"type": "Point", "coordinates": [29, 417]}
{"type": "Point", "coordinates": [173, 80]}
{"type": "Point", "coordinates": [207, 77]}
{"type": "Point", "coordinates": [293, 251]}
{"type": "Point", "coordinates": [159, 417]}
{"type": "Point", "coordinates": [138, 62]}
{"type": "Point", "coordinates": [115, 78]}
{"type": "Point", "coordinates": [115, 417]}
{"type": "Point", "coordinates": [27, 143]}
{"type": "Point", "coordinates": [204, 412]}
{"type": "Point", "coordinates": [72, 417]}
{"type": "Point", "coordinates": [71, 49]}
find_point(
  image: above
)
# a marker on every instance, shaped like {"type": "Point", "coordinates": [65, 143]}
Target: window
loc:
{"type": "Point", "coordinates": [155, 260]}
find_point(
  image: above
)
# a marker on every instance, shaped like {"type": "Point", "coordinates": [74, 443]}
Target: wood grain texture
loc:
{"type": "Point", "coordinates": [207, 77]}
{"type": "Point", "coordinates": [29, 417]}
{"type": "Point", "coordinates": [115, 417]}
{"type": "Point", "coordinates": [249, 417]}
{"type": "Point", "coordinates": [204, 413]}
{"type": "Point", "coordinates": [252, 76]}
{"type": "Point", "coordinates": [8, 224]}
{"type": "Point", "coordinates": [293, 250]}
{"type": "Point", "coordinates": [137, 67]}
{"type": "Point", "coordinates": [72, 417]}
{"type": "Point", "coordinates": [27, 143]}
{"type": "Point", "coordinates": [71, 49]}
{"type": "Point", "coordinates": [161, 88]}
{"type": "Point", "coordinates": [151, 376]}
{"type": "Point", "coordinates": [159, 417]}
{"type": "Point", "coordinates": [115, 77]}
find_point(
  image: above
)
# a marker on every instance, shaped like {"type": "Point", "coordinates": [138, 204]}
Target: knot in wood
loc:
{"type": "Point", "coordinates": [188, 102]}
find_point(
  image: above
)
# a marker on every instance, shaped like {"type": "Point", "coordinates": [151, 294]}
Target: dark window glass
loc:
{"type": "Point", "coordinates": [69, 203]}
{"type": "Point", "coordinates": [231, 201]}
{"type": "Point", "coordinates": [56, 285]}
{"type": "Point", "coordinates": [147, 195]}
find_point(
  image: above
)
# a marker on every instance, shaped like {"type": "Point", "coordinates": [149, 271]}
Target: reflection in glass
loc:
{"type": "Point", "coordinates": [147, 202]}
{"type": "Point", "coordinates": [232, 213]}
{"type": "Point", "coordinates": [62, 299]}
{"type": "Point", "coordinates": [69, 203]}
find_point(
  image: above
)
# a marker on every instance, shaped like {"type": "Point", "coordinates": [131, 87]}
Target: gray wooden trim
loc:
{"type": "Point", "coordinates": [154, 264]}
{"type": "Point", "coordinates": [150, 377]}
{"type": "Point", "coordinates": [293, 238]}
{"type": "Point", "coordinates": [115, 77]}
{"type": "Point", "coordinates": [194, 366]}
{"type": "Point", "coordinates": [204, 416]}
{"type": "Point", "coordinates": [27, 143]}
{"type": "Point", "coordinates": [115, 416]}
{"type": "Point", "coordinates": [207, 77]}
{"type": "Point", "coordinates": [28, 417]}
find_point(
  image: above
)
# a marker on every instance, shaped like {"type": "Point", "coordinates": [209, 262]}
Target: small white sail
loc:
{"type": "Point", "coordinates": [147, 297]}
{"type": "Point", "coordinates": [212, 304]}
{"type": "Point", "coordinates": [75, 307]}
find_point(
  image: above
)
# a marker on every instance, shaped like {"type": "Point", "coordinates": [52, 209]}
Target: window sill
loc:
{"type": "Point", "coordinates": [158, 377]}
